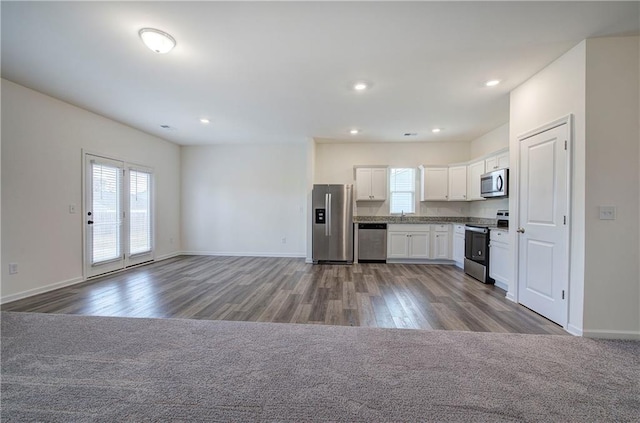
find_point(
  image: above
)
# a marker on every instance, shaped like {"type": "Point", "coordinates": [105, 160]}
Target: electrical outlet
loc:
{"type": "Point", "coordinates": [13, 268]}
{"type": "Point", "coordinates": [607, 212]}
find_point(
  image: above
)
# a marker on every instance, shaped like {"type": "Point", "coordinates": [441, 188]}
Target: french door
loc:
{"type": "Point", "coordinates": [118, 216]}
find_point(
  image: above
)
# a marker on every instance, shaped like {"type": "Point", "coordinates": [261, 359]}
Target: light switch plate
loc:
{"type": "Point", "coordinates": [607, 212]}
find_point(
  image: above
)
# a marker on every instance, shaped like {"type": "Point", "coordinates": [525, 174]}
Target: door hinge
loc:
{"type": "Point", "coordinates": [565, 219]}
{"type": "Point", "coordinates": [565, 144]}
{"type": "Point", "coordinates": [563, 294]}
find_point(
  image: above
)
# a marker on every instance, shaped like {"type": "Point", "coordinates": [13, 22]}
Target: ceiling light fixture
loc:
{"type": "Point", "coordinates": [492, 83]}
{"type": "Point", "coordinates": [158, 41]}
{"type": "Point", "coordinates": [436, 130]}
{"type": "Point", "coordinates": [360, 86]}
{"type": "Point", "coordinates": [204, 120]}
{"type": "Point", "coordinates": [354, 131]}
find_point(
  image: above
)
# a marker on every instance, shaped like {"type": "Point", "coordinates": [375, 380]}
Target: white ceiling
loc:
{"type": "Point", "coordinates": [281, 71]}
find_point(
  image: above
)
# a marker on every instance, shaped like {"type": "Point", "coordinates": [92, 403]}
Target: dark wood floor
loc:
{"type": "Point", "coordinates": [289, 290]}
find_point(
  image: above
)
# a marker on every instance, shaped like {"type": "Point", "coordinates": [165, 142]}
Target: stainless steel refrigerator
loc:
{"type": "Point", "coordinates": [332, 207]}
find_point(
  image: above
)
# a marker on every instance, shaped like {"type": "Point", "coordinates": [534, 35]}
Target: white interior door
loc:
{"type": "Point", "coordinates": [543, 263]}
{"type": "Point", "coordinates": [118, 212]}
{"type": "Point", "coordinates": [103, 215]}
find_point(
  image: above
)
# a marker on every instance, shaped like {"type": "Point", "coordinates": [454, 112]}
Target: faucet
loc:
{"type": "Point", "coordinates": [401, 215]}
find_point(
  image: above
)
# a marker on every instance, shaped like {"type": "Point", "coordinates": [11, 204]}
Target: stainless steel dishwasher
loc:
{"type": "Point", "coordinates": [372, 242]}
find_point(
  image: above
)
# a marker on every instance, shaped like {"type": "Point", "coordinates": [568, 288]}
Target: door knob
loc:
{"type": "Point", "coordinates": [521, 230]}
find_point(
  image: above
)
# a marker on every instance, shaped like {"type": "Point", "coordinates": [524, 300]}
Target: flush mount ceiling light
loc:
{"type": "Point", "coordinates": [436, 130]}
{"type": "Point", "coordinates": [158, 41]}
{"type": "Point", "coordinates": [360, 86]}
{"type": "Point", "coordinates": [354, 131]}
{"type": "Point", "coordinates": [492, 83]}
{"type": "Point", "coordinates": [204, 120]}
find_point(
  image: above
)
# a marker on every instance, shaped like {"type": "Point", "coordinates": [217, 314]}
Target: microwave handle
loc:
{"type": "Point", "coordinates": [500, 183]}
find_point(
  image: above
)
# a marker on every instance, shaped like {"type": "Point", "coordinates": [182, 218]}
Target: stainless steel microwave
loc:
{"type": "Point", "coordinates": [495, 184]}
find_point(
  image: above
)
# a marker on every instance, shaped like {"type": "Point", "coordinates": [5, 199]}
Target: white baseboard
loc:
{"type": "Point", "coordinates": [243, 254]}
{"type": "Point", "coordinates": [73, 281]}
{"type": "Point", "coordinates": [574, 330]}
{"type": "Point", "coordinates": [40, 290]}
{"type": "Point", "coordinates": [168, 256]}
{"type": "Point", "coordinates": [502, 285]}
{"type": "Point", "coordinates": [510, 296]}
{"type": "Point", "coordinates": [419, 261]}
{"type": "Point", "coordinates": [612, 334]}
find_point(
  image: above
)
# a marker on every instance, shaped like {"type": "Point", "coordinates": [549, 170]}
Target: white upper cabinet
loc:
{"type": "Point", "coordinates": [371, 184]}
{"type": "Point", "coordinates": [474, 171]}
{"type": "Point", "coordinates": [499, 161]}
{"type": "Point", "coordinates": [457, 183]}
{"type": "Point", "coordinates": [435, 183]}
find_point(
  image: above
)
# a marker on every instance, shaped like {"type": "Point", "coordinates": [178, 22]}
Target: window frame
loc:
{"type": "Point", "coordinates": [412, 192]}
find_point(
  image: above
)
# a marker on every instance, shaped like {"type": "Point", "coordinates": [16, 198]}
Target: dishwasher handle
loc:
{"type": "Point", "coordinates": [372, 226]}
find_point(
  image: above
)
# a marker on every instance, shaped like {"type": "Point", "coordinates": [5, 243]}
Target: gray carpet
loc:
{"type": "Point", "coordinates": [63, 368]}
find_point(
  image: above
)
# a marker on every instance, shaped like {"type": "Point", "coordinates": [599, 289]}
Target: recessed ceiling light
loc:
{"type": "Point", "coordinates": [204, 120]}
{"type": "Point", "coordinates": [158, 41]}
{"type": "Point", "coordinates": [492, 83]}
{"type": "Point", "coordinates": [436, 130]}
{"type": "Point", "coordinates": [354, 131]}
{"type": "Point", "coordinates": [360, 86]}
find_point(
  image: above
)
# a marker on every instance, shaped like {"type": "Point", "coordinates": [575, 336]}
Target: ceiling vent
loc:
{"type": "Point", "coordinates": [410, 134]}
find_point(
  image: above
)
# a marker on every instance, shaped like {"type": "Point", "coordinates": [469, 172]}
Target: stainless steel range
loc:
{"type": "Point", "coordinates": [476, 247]}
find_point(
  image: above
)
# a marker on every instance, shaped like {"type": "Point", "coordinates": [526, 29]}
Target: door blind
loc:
{"type": "Point", "coordinates": [139, 212]}
{"type": "Point", "coordinates": [402, 183]}
{"type": "Point", "coordinates": [106, 212]}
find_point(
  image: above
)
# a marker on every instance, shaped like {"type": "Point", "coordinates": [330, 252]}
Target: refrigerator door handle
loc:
{"type": "Point", "coordinates": [327, 207]}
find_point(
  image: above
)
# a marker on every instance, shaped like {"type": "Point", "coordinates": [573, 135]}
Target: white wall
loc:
{"type": "Point", "coordinates": [244, 199]}
{"type": "Point", "coordinates": [612, 282]}
{"type": "Point", "coordinates": [41, 176]}
{"type": "Point", "coordinates": [311, 166]}
{"type": "Point", "coordinates": [490, 142]}
{"type": "Point", "coordinates": [598, 83]}
{"type": "Point", "coordinates": [334, 165]}
{"type": "Point", "coordinates": [487, 144]}
{"type": "Point", "coordinates": [556, 91]}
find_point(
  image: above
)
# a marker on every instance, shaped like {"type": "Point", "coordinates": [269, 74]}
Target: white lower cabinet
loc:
{"type": "Point", "coordinates": [440, 239]}
{"type": "Point", "coordinates": [408, 241]}
{"type": "Point", "coordinates": [419, 241]}
{"type": "Point", "coordinates": [458, 245]}
{"type": "Point", "coordinates": [499, 266]}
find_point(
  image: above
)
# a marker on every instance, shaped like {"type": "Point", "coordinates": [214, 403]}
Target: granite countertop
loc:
{"type": "Point", "coordinates": [434, 220]}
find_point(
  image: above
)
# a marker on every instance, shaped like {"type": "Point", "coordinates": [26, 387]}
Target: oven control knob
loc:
{"type": "Point", "coordinates": [520, 230]}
